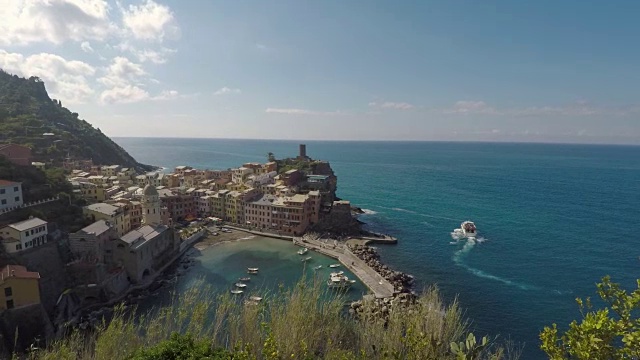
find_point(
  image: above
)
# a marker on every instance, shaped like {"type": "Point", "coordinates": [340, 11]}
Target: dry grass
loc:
{"type": "Point", "coordinates": [293, 324]}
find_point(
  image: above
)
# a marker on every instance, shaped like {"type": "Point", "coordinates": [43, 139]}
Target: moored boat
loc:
{"type": "Point", "coordinates": [241, 285]}
{"type": "Point", "coordinates": [236, 292]}
{"type": "Point", "coordinates": [317, 267]}
{"type": "Point", "coordinates": [252, 270]}
{"type": "Point", "coordinates": [306, 259]}
{"type": "Point", "coordinates": [334, 265]}
{"type": "Point", "coordinates": [303, 251]}
{"type": "Point", "coordinates": [467, 230]}
{"type": "Point", "coordinates": [244, 279]}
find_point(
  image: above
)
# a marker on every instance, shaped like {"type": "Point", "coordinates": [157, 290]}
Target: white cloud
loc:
{"type": "Point", "coordinates": [156, 57]}
{"type": "Point", "coordinates": [86, 47]}
{"type": "Point", "coordinates": [124, 95]}
{"type": "Point", "coordinates": [65, 80]}
{"type": "Point", "coordinates": [150, 21]}
{"type": "Point", "coordinates": [55, 21]}
{"type": "Point", "coordinates": [122, 72]}
{"type": "Point", "coordinates": [579, 108]}
{"type": "Point", "coordinates": [391, 105]}
{"type": "Point", "coordinates": [226, 91]}
{"type": "Point", "coordinates": [289, 111]}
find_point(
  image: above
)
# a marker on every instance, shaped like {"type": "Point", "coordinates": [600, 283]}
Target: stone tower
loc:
{"type": "Point", "coordinates": [151, 206]}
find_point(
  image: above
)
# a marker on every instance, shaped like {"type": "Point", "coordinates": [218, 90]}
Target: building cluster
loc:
{"type": "Point", "coordinates": [254, 195]}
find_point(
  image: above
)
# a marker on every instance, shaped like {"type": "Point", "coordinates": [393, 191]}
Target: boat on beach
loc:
{"type": "Point", "coordinates": [334, 266]}
{"type": "Point", "coordinates": [467, 230]}
{"type": "Point", "coordinates": [303, 251]}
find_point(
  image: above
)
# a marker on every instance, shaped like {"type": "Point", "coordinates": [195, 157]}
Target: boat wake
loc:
{"type": "Point", "coordinates": [421, 214]}
{"type": "Point", "coordinates": [458, 259]}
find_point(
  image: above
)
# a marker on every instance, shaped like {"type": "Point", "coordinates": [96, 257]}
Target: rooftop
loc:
{"type": "Point", "coordinates": [265, 199]}
{"type": "Point", "coordinates": [97, 228]}
{"type": "Point", "coordinates": [103, 208]}
{"type": "Point", "coordinates": [28, 224]}
{"type": "Point", "coordinates": [8, 183]}
{"type": "Point", "coordinates": [139, 237]}
{"type": "Point", "coordinates": [19, 272]}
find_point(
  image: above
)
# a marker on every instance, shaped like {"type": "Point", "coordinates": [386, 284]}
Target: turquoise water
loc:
{"type": "Point", "coordinates": [556, 218]}
{"type": "Point", "coordinates": [221, 266]}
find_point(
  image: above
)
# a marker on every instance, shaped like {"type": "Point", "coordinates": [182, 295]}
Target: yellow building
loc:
{"type": "Point", "coordinates": [18, 287]}
{"type": "Point", "coordinates": [113, 214]}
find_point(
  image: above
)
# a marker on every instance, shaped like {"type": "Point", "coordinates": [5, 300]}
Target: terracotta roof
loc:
{"type": "Point", "coordinates": [18, 271]}
{"type": "Point", "coordinates": [8, 183]}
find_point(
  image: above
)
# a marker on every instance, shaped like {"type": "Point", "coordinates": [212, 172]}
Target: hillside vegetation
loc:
{"type": "Point", "coordinates": [27, 112]}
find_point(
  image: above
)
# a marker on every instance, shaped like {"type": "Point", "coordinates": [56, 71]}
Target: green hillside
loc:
{"type": "Point", "coordinates": [27, 112]}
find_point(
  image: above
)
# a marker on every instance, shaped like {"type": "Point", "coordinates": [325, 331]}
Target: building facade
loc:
{"type": "Point", "coordinates": [17, 154]}
{"type": "Point", "coordinates": [10, 194]}
{"type": "Point", "coordinates": [18, 287]}
{"type": "Point", "coordinates": [24, 235]}
{"type": "Point", "coordinates": [92, 242]}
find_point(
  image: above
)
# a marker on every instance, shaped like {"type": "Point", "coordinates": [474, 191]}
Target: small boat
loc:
{"type": "Point", "coordinates": [244, 279]}
{"type": "Point", "coordinates": [334, 265]}
{"type": "Point", "coordinates": [317, 267]}
{"type": "Point", "coordinates": [340, 282]}
{"type": "Point", "coordinates": [241, 285]}
{"type": "Point", "coordinates": [252, 271]}
{"type": "Point", "coordinates": [303, 251]}
{"type": "Point", "coordinates": [236, 292]}
{"type": "Point", "coordinates": [467, 230]}
{"type": "Point", "coordinates": [255, 298]}
{"type": "Point", "coordinates": [306, 259]}
{"type": "Point", "coordinates": [337, 273]}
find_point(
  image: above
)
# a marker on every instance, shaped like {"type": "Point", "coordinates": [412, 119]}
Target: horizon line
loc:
{"type": "Point", "coordinates": [551, 142]}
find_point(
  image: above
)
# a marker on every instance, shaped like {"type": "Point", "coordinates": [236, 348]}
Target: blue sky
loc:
{"type": "Point", "coordinates": [559, 71]}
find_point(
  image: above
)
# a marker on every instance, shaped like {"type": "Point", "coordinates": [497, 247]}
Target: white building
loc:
{"type": "Point", "coordinates": [10, 194]}
{"type": "Point", "coordinates": [24, 235]}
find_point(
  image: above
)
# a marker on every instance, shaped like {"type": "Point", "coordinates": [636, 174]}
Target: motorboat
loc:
{"type": "Point", "coordinates": [236, 292]}
{"type": "Point", "coordinates": [317, 267]}
{"type": "Point", "coordinates": [334, 266]}
{"type": "Point", "coordinates": [337, 273]}
{"type": "Point", "coordinates": [303, 251]}
{"type": "Point", "coordinates": [244, 279]}
{"type": "Point", "coordinates": [306, 259]}
{"type": "Point", "coordinates": [339, 282]}
{"type": "Point", "coordinates": [467, 230]}
{"type": "Point", "coordinates": [252, 270]}
{"type": "Point", "coordinates": [241, 285]}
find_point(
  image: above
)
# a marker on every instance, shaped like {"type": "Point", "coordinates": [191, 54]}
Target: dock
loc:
{"type": "Point", "coordinates": [377, 284]}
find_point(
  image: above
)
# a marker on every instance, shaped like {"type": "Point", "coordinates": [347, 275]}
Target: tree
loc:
{"type": "Point", "coordinates": [271, 157]}
{"type": "Point", "coordinates": [609, 333]}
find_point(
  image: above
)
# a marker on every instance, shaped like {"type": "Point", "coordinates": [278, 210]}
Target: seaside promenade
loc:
{"type": "Point", "coordinates": [378, 285]}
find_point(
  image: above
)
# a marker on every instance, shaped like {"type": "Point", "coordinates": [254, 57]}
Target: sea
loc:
{"type": "Point", "coordinates": [552, 219]}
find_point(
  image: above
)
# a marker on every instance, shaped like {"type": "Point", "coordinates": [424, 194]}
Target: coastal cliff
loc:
{"type": "Point", "coordinates": [29, 117]}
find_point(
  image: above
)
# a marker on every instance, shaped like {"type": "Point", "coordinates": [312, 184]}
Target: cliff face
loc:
{"type": "Point", "coordinates": [27, 112]}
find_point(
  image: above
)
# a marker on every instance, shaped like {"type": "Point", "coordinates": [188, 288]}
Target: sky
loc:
{"type": "Point", "coordinates": [453, 70]}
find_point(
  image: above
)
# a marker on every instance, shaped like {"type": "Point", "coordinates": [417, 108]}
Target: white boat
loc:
{"type": "Point", "coordinates": [340, 282]}
{"type": "Point", "coordinates": [241, 285]}
{"type": "Point", "coordinates": [467, 230]}
{"type": "Point", "coordinates": [337, 273]}
{"type": "Point", "coordinates": [244, 279]}
{"type": "Point", "coordinates": [303, 251]}
{"type": "Point", "coordinates": [252, 270]}
{"type": "Point", "coordinates": [255, 298]}
{"type": "Point", "coordinates": [334, 265]}
{"type": "Point", "coordinates": [306, 259]}
{"type": "Point", "coordinates": [317, 267]}
{"type": "Point", "coordinates": [236, 292]}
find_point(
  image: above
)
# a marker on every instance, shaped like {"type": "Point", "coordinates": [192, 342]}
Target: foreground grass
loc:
{"type": "Point", "coordinates": [292, 324]}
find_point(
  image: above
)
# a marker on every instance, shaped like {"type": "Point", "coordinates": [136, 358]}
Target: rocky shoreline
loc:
{"type": "Point", "coordinates": [402, 283]}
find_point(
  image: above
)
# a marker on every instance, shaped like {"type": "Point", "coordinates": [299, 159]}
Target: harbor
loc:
{"type": "Point", "coordinates": [376, 283]}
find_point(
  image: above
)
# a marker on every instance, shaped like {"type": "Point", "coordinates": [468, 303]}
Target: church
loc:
{"type": "Point", "coordinates": [143, 251]}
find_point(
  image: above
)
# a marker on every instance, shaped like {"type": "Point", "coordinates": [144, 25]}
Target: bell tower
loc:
{"type": "Point", "coordinates": [151, 206]}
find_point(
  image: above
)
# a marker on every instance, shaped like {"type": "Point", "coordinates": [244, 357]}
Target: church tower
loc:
{"type": "Point", "coordinates": [151, 206]}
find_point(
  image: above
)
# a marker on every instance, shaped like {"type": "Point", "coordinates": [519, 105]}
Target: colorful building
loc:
{"type": "Point", "coordinates": [18, 287]}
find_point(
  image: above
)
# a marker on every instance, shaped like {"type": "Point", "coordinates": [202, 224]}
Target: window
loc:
{"type": "Point", "coordinates": [15, 189]}
{"type": "Point", "coordinates": [8, 292]}
{"type": "Point", "coordinates": [9, 304]}
{"type": "Point", "coordinates": [4, 202]}
{"type": "Point", "coordinates": [2, 191]}
{"type": "Point", "coordinates": [19, 247]}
